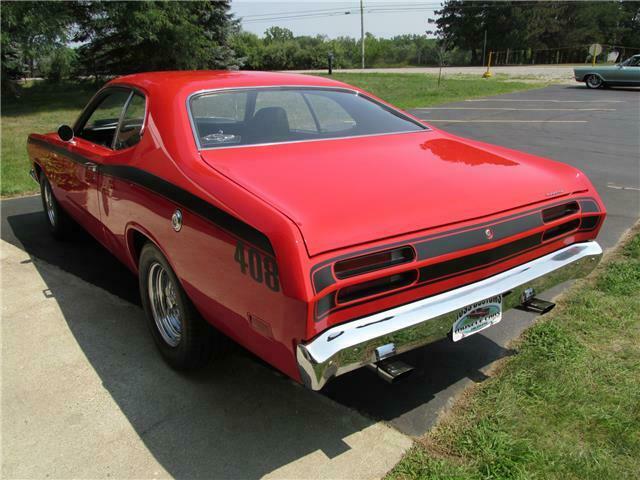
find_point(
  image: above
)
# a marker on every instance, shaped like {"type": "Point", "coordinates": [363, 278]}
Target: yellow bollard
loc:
{"type": "Point", "coordinates": [488, 73]}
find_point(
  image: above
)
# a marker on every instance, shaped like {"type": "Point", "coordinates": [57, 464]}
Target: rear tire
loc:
{"type": "Point", "coordinates": [184, 339]}
{"type": "Point", "coordinates": [60, 224]}
{"type": "Point", "coordinates": [593, 81]}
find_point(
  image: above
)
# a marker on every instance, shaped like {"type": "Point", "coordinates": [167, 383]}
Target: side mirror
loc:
{"type": "Point", "coordinates": [65, 132]}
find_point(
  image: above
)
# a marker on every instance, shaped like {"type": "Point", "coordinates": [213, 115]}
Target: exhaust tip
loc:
{"type": "Point", "coordinates": [538, 306]}
{"type": "Point", "coordinates": [392, 371]}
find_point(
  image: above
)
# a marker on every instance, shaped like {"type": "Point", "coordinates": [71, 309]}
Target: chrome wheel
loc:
{"type": "Point", "coordinates": [49, 203]}
{"type": "Point", "coordinates": [593, 81]}
{"type": "Point", "coordinates": [164, 305]}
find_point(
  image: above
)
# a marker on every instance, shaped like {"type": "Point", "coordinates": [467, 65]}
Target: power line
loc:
{"type": "Point", "coordinates": [341, 9]}
{"type": "Point", "coordinates": [320, 15]}
{"type": "Point", "coordinates": [377, 9]}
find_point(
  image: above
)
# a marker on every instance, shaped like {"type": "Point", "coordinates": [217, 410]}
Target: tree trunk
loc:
{"type": "Point", "coordinates": [474, 57]}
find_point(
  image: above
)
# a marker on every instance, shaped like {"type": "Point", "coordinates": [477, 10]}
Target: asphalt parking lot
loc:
{"type": "Point", "coordinates": [231, 411]}
{"type": "Point", "coordinates": [596, 131]}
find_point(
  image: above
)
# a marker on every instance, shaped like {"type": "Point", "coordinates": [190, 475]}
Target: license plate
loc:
{"type": "Point", "coordinates": [476, 317]}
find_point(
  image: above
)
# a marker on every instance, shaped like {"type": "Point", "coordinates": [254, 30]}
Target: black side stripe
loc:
{"type": "Point", "coordinates": [178, 195]}
{"type": "Point", "coordinates": [76, 157]}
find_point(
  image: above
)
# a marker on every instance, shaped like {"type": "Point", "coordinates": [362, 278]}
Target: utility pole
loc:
{"type": "Point", "coordinates": [362, 31]}
{"type": "Point", "coordinates": [484, 48]}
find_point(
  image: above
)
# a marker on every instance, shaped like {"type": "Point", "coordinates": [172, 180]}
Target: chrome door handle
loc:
{"type": "Point", "coordinates": [92, 167]}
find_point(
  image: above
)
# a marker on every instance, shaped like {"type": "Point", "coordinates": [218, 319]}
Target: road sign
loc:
{"type": "Point", "coordinates": [595, 49]}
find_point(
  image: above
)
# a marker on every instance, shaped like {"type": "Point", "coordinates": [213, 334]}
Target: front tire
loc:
{"type": "Point", "coordinates": [60, 224]}
{"type": "Point", "coordinates": [593, 81]}
{"type": "Point", "coordinates": [184, 339]}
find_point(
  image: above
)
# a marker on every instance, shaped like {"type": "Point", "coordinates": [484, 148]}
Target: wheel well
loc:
{"type": "Point", "coordinates": [136, 242]}
{"type": "Point", "coordinates": [37, 169]}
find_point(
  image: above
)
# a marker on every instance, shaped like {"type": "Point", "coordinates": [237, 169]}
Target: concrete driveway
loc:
{"type": "Point", "coordinates": [84, 394]}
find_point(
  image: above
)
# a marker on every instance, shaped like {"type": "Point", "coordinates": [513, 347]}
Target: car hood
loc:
{"type": "Point", "coordinates": [345, 192]}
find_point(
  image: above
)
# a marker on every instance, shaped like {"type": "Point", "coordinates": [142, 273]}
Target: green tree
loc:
{"type": "Point", "coordinates": [462, 25]}
{"type": "Point", "coordinates": [29, 32]}
{"type": "Point", "coordinates": [542, 25]}
{"type": "Point", "coordinates": [277, 34]}
{"type": "Point", "coordinates": [124, 37]}
{"type": "Point", "coordinates": [248, 49]}
{"type": "Point", "coordinates": [60, 64]}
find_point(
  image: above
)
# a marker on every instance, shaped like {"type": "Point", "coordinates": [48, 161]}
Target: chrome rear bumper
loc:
{"type": "Point", "coordinates": [351, 345]}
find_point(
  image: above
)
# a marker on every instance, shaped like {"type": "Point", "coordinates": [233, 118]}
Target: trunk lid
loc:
{"type": "Point", "coordinates": [351, 191]}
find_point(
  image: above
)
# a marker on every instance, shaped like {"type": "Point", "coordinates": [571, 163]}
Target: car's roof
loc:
{"type": "Point", "coordinates": [189, 81]}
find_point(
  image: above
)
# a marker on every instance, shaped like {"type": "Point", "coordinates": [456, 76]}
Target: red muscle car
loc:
{"type": "Point", "coordinates": [313, 223]}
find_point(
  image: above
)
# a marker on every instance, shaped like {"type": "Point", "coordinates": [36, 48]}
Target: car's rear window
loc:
{"type": "Point", "coordinates": [286, 114]}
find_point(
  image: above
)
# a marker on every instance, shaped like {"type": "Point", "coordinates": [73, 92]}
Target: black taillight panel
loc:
{"type": "Point", "coordinates": [560, 211]}
{"type": "Point", "coordinates": [590, 222]}
{"type": "Point", "coordinates": [379, 285]}
{"type": "Point", "coordinates": [561, 229]}
{"type": "Point", "coordinates": [373, 261]}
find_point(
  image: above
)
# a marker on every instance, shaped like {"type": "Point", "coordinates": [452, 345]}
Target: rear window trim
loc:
{"type": "Point", "coordinates": [394, 111]}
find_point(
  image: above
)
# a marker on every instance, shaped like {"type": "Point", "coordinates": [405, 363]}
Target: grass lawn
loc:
{"type": "Point", "coordinates": [567, 406]}
{"type": "Point", "coordinates": [40, 108]}
{"type": "Point", "coordinates": [411, 90]}
{"type": "Point", "coordinates": [43, 107]}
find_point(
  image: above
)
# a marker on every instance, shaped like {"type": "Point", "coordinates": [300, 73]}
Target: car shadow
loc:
{"type": "Point", "coordinates": [83, 256]}
{"type": "Point", "coordinates": [612, 88]}
{"type": "Point", "coordinates": [413, 405]}
{"type": "Point", "coordinates": [238, 417]}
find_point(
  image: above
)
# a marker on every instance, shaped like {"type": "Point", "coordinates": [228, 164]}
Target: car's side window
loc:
{"type": "Point", "coordinates": [330, 115]}
{"type": "Point", "coordinates": [132, 123]}
{"type": "Point", "coordinates": [292, 103]}
{"type": "Point", "coordinates": [222, 108]}
{"type": "Point", "coordinates": [101, 125]}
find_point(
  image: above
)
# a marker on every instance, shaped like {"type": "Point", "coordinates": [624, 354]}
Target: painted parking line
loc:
{"type": "Point", "coordinates": [619, 187]}
{"type": "Point", "coordinates": [502, 121]}
{"type": "Point", "coordinates": [513, 109]}
{"type": "Point", "coordinates": [540, 100]}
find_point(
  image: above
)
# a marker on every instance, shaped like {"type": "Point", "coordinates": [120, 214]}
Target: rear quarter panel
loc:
{"type": "Point", "coordinates": [267, 321]}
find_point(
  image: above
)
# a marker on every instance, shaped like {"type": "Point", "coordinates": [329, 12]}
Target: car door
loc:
{"type": "Point", "coordinates": [621, 73]}
{"type": "Point", "coordinates": [95, 133]}
{"type": "Point", "coordinates": [630, 73]}
{"type": "Point", "coordinates": [114, 202]}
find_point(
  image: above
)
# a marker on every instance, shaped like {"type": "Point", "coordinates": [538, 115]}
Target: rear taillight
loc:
{"type": "Point", "coordinates": [379, 285]}
{"type": "Point", "coordinates": [561, 229]}
{"type": "Point", "coordinates": [560, 211]}
{"type": "Point", "coordinates": [374, 261]}
{"type": "Point", "coordinates": [590, 223]}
